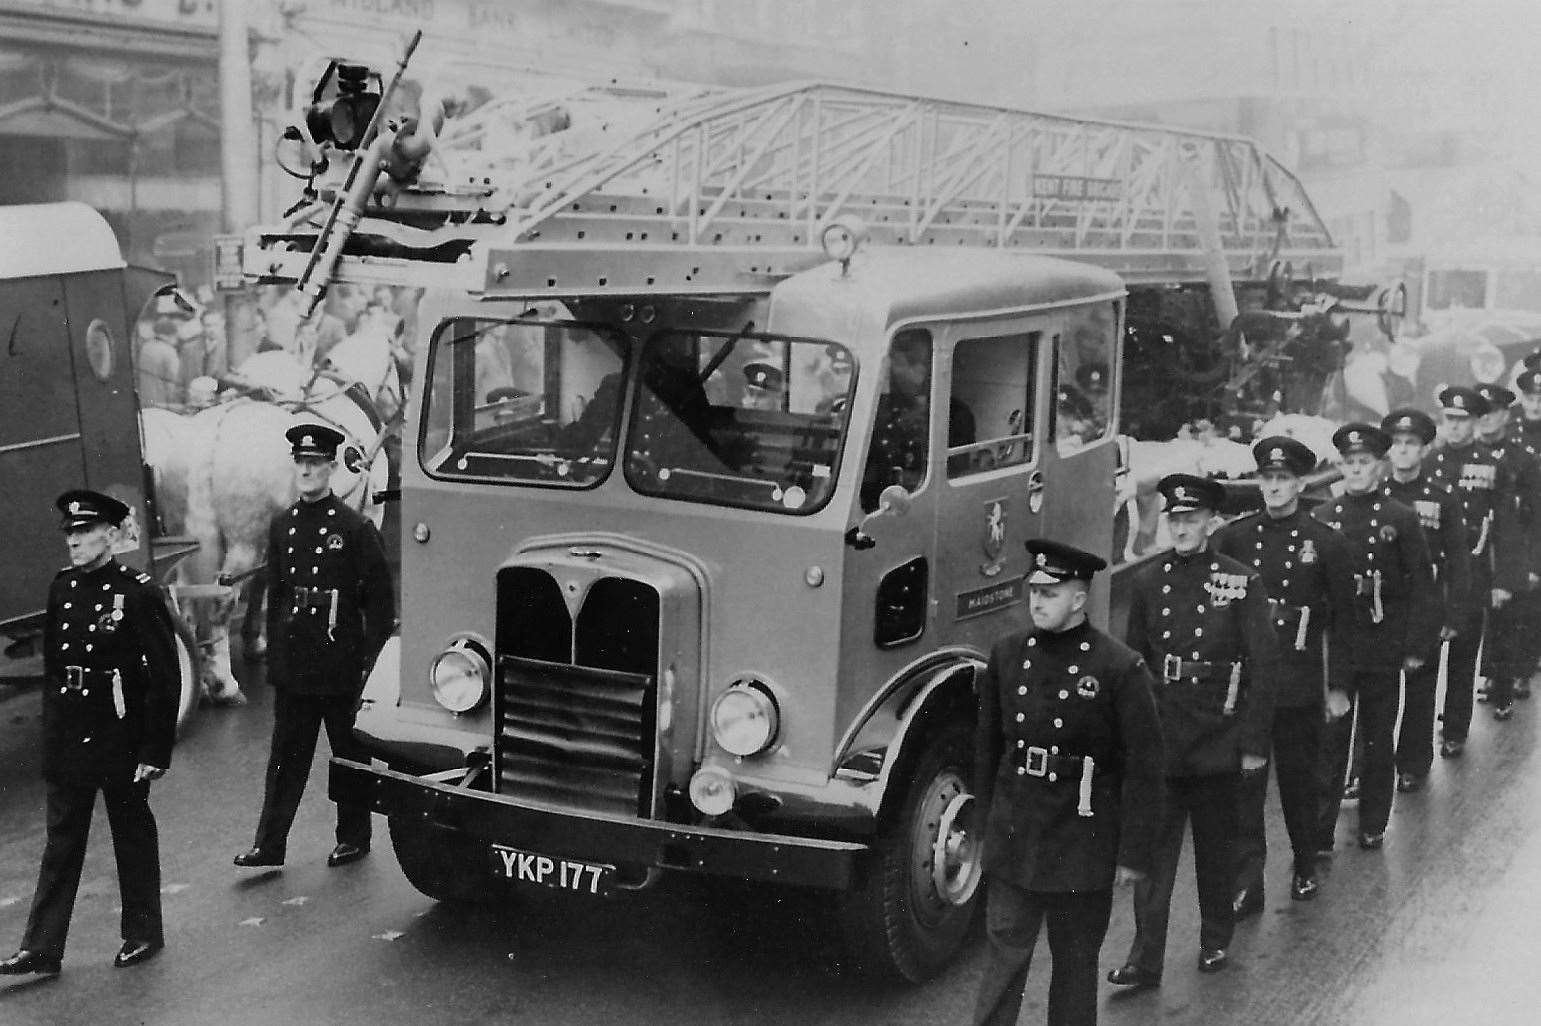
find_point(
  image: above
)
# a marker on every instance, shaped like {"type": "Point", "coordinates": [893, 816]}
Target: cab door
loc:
{"type": "Point", "coordinates": [992, 488]}
{"type": "Point", "coordinates": [1080, 455]}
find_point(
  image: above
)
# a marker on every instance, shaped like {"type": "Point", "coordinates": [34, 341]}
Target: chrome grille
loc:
{"type": "Point", "coordinates": [575, 736]}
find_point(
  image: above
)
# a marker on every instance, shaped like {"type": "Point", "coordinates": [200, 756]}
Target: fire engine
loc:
{"type": "Point", "coordinates": [729, 424]}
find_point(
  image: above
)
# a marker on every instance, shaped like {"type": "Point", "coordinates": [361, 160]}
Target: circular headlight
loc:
{"type": "Point", "coordinates": [459, 677]}
{"type": "Point", "coordinates": [712, 791]}
{"type": "Point", "coordinates": [744, 719]}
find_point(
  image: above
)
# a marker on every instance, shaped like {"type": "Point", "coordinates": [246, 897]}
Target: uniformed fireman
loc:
{"type": "Point", "coordinates": [1508, 653]}
{"type": "Point", "coordinates": [1305, 570]}
{"type": "Point", "coordinates": [1412, 433]}
{"type": "Point", "coordinates": [1471, 470]}
{"type": "Point", "coordinates": [330, 611]}
{"type": "Point", "coordinates": [1395, 612]}
{"type": "Point", "coordinates": [1525, 431]}
{"type": "Point", "coordinates": [111, 684]}
{"type": "Point", "coordinates": [1068, 764]}
{"type": "Point", "coordinates": [1200, 619]}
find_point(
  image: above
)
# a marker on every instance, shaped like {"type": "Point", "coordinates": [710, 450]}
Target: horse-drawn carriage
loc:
{"type": "Point", "coordinates": [200, 484]}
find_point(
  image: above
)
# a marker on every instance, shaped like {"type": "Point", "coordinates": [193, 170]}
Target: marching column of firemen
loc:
{"type": "Point", "coordinates": [1292, 639]}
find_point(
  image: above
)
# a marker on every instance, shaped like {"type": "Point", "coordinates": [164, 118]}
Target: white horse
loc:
{"type": "Point", "coordinates": [230, 470]}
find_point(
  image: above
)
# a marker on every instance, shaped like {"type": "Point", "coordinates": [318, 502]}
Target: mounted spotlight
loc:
{"type": "Point", "coordinates": [343, 119]}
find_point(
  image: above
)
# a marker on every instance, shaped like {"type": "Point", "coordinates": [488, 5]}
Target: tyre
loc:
{"type": "Point", "coordinates": [911, 914]}
{"type": "Point", "coordinates": [188, 665]}
{"type": "Point", "coordinates": [444, 865]}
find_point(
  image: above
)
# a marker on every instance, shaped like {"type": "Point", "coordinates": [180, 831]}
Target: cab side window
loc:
{"type": "Point", "coordinates": [1084, 399]}
{"type": "Point", "coordinates": [992, 397]}
{"type": "Point", "coordinates": [901, 431]}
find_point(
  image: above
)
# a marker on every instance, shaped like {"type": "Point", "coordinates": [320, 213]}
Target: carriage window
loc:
{"type": "Point", "coordinates": [741, 420]}
{"type": "Point", "coordinates": [526, 400]}
{"type": "Point", "coordinates": [990, 420]}
{"type": "Point", "coordinates": [1084, 405]}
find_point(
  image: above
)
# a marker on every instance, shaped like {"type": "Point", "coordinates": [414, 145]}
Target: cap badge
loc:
{"type": "Point", "coordinates": [75, 508]}
{"type": "Point", "coordinates": [1353, 437]}
{"type": "Point", "coordinates": [307, 440]}
{"type": "Point", "coordinates": [1043, 560]}
{"type": "Point", "coordinates": [1277, 456]}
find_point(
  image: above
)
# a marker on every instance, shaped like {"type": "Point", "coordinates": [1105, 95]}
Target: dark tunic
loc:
{"type": "Point", "coordinates": [1305, 565]}
{"type": "Point", "coordinates": [1385, 538]}
{"type": "Point", "coordinates": [1475, 474]}
{"type": "Point", "coordinates": [112, 679]}
{"type": "Point", "coordinates": [1073, 694]}
{"type": "Point", "coordinates": [330, 604]}
{"type": "Point", "coordinates": [1439, 514]}
{"type": "Point", "coordinates": [1206, 608]}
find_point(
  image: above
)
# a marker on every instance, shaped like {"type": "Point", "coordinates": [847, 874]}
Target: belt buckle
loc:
{"type": "Point", "coordinates": [1037, 762]}
{"type": "Point", "coordinates": [75, 677]}
{"type": "Point", "coordinates": [1171, 667]}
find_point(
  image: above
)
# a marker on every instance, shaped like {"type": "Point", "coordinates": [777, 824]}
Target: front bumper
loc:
{"type": "Point", "coordinates": [596, 836]}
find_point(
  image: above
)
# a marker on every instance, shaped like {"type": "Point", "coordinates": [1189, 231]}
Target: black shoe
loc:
{"type": "Point", "coordinates": [1372, 842]}
{"type": "Point", "coordinates": [1247, 902]}
{"type": "Point", "coordinates": [346, 853]}
{"type": "Point", "coordinates": [1303, 886]}
{"type": "Point", "coordinates": [1135, 977]}
{"type": "Point", "coordinates": [1212, 960]}
{"type": "Point", "coordinates": [1351, 790]}
{"type": "Point", "coordinates": [258, 857]}
{"type": "Point", "coordinates": [134, 952]}
{"type": "Point", "coordinates": [25, 961]}
{"type": "Point", "coordinates": [1409, 782]}
{"type": "Point", "coordinates": [1503, 711]}
{"type": "Point", "coordinates": [1451, 749]}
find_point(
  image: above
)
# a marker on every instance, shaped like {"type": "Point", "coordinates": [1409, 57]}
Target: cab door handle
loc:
{"type": "Point", "coordinates": [1035, 491]}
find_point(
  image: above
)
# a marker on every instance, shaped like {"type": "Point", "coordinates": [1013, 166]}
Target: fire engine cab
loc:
{"type": "Point", "coordinates": [725, 439]}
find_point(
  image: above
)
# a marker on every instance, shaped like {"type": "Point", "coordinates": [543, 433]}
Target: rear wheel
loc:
{"type": "Point", "coordinates": [445, 865]}
{"type": "Point", "coordinates": [913, 911]}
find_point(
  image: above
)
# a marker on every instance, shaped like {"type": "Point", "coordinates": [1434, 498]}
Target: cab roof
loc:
{"type": "Point", "coordinates": [910, 282]}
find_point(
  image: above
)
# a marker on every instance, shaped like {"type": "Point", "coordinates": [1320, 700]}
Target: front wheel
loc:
{"type": "Point", "coordinates": [911, 914]}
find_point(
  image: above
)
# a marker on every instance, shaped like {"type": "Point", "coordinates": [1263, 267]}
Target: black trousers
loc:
{"type": "Point", "coordinates": [1374, 722]}
{"type": "Point", "coordinates": [297, 720]}
{"type": "Point", "coordinates": [1210, 802]}
{"type": "Point", "coordinates": [1461, 666]}
{"type": "Point", "coordinates": [1077, 922]}
{"type": "Point", "coordinates": [1296, 743]}
{"type": "Point", "coordinates": [1509, 654]}
{"type": "Point", "coordinates": [135, 845]}
{"type": "Point", "coordinates": [1415, 738]}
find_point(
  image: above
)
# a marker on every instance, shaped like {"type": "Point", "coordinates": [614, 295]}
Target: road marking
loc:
{"type": "Point", "coordinates": [253, 921]}
{"type": "Point", "coordinates": [389, 935]}
{"type": "Point", "coordinates": [296, 901]}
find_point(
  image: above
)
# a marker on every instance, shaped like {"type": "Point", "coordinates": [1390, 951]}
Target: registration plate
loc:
{"type": "Point", "coordinates": [528, 867]}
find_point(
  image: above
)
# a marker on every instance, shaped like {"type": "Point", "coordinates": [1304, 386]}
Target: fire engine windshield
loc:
{"type": "Point", "coordinates": [530, 401]}
{"type": "Point", "coordinates": [740, 420]}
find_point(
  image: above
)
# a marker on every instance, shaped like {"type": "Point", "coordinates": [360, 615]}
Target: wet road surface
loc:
{"type": "Point", "coordinates": [1443, 926]}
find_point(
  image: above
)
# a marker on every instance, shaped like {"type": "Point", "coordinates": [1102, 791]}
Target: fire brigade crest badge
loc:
{"type": "Point", "coordinates": [1087, 687]}
{"type": "Point", "coordinates": [994, 537]}
{"type": "Point", "coordinates": [1307, 552]}
{"type": "Point", "coordinates": [1388, 533]}
{"type": "Point", "coordinates": [334, 542]}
